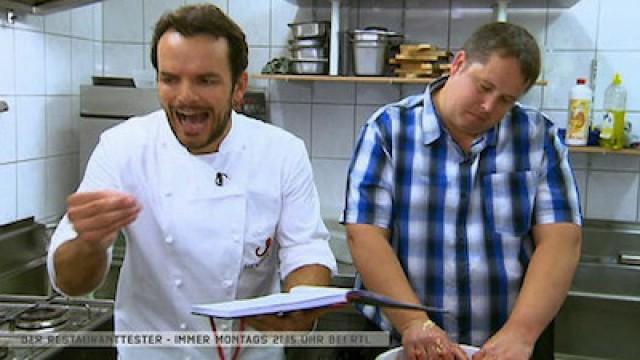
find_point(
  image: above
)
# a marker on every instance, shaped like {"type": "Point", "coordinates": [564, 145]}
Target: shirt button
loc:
{"type": "Point", "coordinates": [183, 326]}
{"type": "Point", "coordinates": [227, 283]}
{"type": "Point", "coordinates": [169, 239]}
{"type": "Point", "coordinates": [178, 283]}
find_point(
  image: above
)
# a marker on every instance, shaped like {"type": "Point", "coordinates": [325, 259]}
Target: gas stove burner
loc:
{"type": "Point", "coordinates": [42, 317]}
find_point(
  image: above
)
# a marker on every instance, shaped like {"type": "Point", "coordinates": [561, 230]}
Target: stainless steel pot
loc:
{"type": "Point", "coordinates": [310, 29]}
{"type": "Point", "coordinates": [370, 50]}
{"type": "Point", "coordinates": [309, 66]}
{"type": "Point", "coordinates": [306, 43]}
{"type": "Point", "coordinates": [309, 52]}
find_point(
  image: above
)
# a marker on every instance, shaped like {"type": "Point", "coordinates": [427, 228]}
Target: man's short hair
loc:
{"type": "Point", "coordinates": [505, 40]}
{"type": "Point", "coordinates": [204, 19]}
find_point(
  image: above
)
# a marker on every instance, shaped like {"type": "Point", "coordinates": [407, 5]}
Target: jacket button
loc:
{"type": "Point", "coordinates": [183, 326]}
{"type": "Point", "coordinates": [178, 283]}
{"type": "Point", "coordinates": [168, 239]}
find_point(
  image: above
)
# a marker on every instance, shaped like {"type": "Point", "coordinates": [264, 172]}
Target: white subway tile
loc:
{"type": "Point", "coordinates": [330, 177]}
{"type": "Point", "coordinates": [32, 127]}
{"type": "Point", "coordinates": [82, 63]}
{"type": "Point", "coordinates": [258, 57]}
{"type": "Point", "coordinates": [295, 118]}
{"type": "Point", "coordinates": [82, 22]}
{"type": "Point", "coordinates": [427, 22]}
{"type": "Point", "coordinates": [58, 65]}
{"type": "Point", "coordinates": [30, 60]}
{"type": "Point", "coordinates": [561, 70]}
{"type": "Point", "coordinates": [62, 180]}
{"type": "Point", "coordinates": [255, 23]}
{"type": "Point", "coordinates": [123, 21]}
{"type": "Point", "coordinates": [572, 28]}
{"type": "Point", "coordinates": [122, 59]}
{"type": "Point", "coordinates": [8, 132]}
{"type": "Point", "coordinates": [618, 25]}
{"type": "Point", "coordinates": [626, 63]}
{"type": "Point", "coordinates": [7, 62]}
{"type": "Point", "coordinates": [31, 189]}
{"type": "Point", "coordinates": [332, 131]}
{"type": "Point", "coordinates": [8, 205]}
{"type": "Point", "coordinates": [60, 132]}
{"type": "Point", "coordinates": [363, 113]}
{"type": "Point", "coordinates": [333, 93]}
{"type": "Point", "coordinates": [285, 12]}
{"type": "Point", "coordinates": [58, 23]}
{"type": "Point", "coordinates": [98, 23]}
{"type": "Point", "coordinates": [376, 94]}
{"type": "Point", "coordinates": [153, 9]}
{"type": "Point", "coordinates": [381, 13]}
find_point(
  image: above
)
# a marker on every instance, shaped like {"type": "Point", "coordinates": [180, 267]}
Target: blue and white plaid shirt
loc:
{"type": "Point", "coordinates": [460, 223]}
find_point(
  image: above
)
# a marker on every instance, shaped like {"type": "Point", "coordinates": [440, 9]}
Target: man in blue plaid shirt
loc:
{"type": "Point", "coordinates": [464, 199]}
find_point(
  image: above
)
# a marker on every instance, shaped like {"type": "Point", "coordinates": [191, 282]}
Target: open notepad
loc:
{"type": "Point", "coordinates": [301, 298]}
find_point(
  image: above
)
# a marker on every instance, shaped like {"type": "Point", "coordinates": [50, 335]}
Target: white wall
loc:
{"type": "Point", "coordinates": [43, 61]}
{"type": "Point", "coordinates": [51, 56]}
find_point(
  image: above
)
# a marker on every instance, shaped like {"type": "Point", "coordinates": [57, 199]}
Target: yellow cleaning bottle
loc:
{"type": "Point", "coordinates": [612, 134]}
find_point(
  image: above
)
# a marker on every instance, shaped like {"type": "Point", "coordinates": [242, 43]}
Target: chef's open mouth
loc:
{"type": "Point", "coordinates": [193, 122]}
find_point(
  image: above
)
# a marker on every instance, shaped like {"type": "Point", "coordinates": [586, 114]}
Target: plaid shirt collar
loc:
{"type": "Point", "coordinates": [433, 127]}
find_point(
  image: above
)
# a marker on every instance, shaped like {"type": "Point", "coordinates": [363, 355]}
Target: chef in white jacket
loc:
{"type": "Point", "coordinates": [216, 206]}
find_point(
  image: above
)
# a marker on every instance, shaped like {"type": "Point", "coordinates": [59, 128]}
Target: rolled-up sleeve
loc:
{"type": "Point", "coordinates": [303, 237]}
{"type": "Point", "coordinates": [99, 175]}
{"type": "Point", "coordinates": [370, 181]}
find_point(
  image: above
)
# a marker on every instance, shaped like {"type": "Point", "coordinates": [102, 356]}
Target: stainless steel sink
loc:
{"type": "Point", "coordinates": [601, 317]}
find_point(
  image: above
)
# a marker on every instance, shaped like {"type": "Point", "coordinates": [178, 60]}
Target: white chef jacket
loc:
{"type": "Point", "coordinates": [201, 241]}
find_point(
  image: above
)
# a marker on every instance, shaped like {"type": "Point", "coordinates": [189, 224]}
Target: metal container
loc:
{"type": "Point", "coordinates": [309, 66]}
{"type": "Point", "coordinates": [310, 29]}
{"type": "Point", "coordinates": [306, 43]}
{"type": "Point", "coordinates": [370, 50]}
{"type": "Point", "coordinates": [320, 52]}
{"type": "Point", "coordinates": [369, 58]}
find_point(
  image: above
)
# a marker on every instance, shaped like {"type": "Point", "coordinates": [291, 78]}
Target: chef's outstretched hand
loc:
{"type": "Point", "coordinates": [98, 216]}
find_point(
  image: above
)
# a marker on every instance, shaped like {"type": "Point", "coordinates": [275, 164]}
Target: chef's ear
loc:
{"type": "Point", "coordinates": [240, 88]}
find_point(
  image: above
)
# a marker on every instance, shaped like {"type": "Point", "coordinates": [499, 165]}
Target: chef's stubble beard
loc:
{"type": "Point", "coordinates": [217, 132]}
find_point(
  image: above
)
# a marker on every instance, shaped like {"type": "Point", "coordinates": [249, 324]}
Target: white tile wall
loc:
{"type": "Point", "coordinates": [58, 64]}
{"type": "Point", "coordinates": [31, 190]}
{"type": "Point", "coordinates": [8, 131]}
{"type": "Point", "coordinates": [30, 55]}
{"type": "Point", "coordinates": [8, 193]}
{"type": "Point", "coordinates": [43, 61]}
{"type": "Point", "coordinates": [32, 127]}
{"type": "Point", "coordinates": [51, 56]}
{"type": "Point", "coordinates": [7, 62]}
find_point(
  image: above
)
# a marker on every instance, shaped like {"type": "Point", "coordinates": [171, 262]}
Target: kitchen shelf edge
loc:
{"type": "Point", "coordinates": [360, 79]}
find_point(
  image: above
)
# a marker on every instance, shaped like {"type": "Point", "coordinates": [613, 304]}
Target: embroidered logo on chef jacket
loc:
{"type": "Point", "coordinates": [261, 253]}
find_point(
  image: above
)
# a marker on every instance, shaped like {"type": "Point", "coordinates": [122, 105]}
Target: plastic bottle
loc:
{"type": "Point", "coordinates": [579, 114]}
{"type": "Point", "coordinates": [612, 135]}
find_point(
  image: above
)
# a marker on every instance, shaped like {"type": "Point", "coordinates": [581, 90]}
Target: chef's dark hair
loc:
{"type": "Point", "coordinates": [204, 19]}
{"type": "Point", "coordinates": [505, 40]}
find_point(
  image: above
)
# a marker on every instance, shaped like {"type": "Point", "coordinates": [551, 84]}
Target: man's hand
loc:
{"type": "Point", "coordinates": [98, 216]}
{"type": "Point", "coordinates": [505, 344]}
{"type": "Point", "coordinates": [426, 341]}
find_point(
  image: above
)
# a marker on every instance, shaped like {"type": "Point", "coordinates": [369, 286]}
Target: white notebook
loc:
{"type": "Point", "coordinates": [300, 298]}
